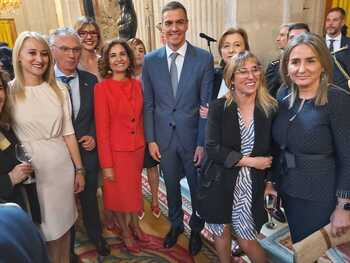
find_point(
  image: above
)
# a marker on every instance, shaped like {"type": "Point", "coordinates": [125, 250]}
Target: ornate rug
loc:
{"type": "Point", "coordinates": [150, 252]}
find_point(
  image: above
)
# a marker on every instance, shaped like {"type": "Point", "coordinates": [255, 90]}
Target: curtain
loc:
{"type": "Point", "coordinates": [6, 32]}
{"type": "Point", "coordinates": [345, 4]}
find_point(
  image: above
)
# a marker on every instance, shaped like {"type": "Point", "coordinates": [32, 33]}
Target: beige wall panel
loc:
{"type": "Point", "coordinates": [204, 16]}
{"type": "Point", "coordinates": [34, 15]}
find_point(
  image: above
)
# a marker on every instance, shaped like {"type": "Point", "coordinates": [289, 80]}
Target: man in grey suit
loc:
{"type": "Point", "coordinates": [177, 80]}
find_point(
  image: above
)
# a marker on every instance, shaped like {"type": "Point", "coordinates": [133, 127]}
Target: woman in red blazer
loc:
{"type": "Point", "coordinates": [120, 139]}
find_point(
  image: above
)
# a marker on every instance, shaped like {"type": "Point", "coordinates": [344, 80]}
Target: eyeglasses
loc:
{"type": "Point", "coordinates": [67, 50]}
{"type": "Point", "coordinates": [84, 33]}
{"type": "Point", "coordinates": [255, 71]}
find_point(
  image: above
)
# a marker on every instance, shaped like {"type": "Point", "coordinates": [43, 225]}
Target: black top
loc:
{"type": "Point", "coordinates": [17, 193]}
{"type": "Point", "coordinates": [223, 147]}
{"type": "Point", "coordinates": [273, 78]}
{"type": "Point", "coordinates": [312, 147]}
{"type": "Point", "coordinates": [218, 76]}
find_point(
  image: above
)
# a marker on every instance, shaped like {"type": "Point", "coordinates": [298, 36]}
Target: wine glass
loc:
{"type": "Point", "coordinates": [23, 155]}
{"type": "Point", "coordinates": [270, 205]}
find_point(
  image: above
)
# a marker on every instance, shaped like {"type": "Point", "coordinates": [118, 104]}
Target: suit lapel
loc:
{"type": "Point", "coordinates": [231, 126]}
{"type": "Point", "coordinates": [261, 123]}
{"type": "Point", "coordinates": [164, 71]}
{"type": "Point", "coordinates": [82, 89]}
{"type": "Point", "coordinates": [186, 71]}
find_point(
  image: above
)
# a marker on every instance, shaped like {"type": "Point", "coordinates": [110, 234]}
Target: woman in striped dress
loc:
{"type": "Point", "coordinates": [238, 143]}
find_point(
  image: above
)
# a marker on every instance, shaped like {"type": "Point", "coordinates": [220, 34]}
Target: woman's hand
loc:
{"type": "Point", "coordinates": [20, 173]}
{"type": "Point", "coordinates": [79, 183]}
{"type": "Point", "coordinates": [108, 174]}
{"type": "Point", "coordinates": [340, 222]}
{"type": "Point", "coordinates": [203, 112]}
{"type": "Point", "coordinates": [260, 163]}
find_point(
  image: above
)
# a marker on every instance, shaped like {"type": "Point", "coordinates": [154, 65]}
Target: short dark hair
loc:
{"type": "Point", "coordinates": [173, 5]}
{"type": "Point", "coordinates": [337, 9]}
{"type": "Point", "coordinates": [298, 26]}
{"type": "Point", "coordinates": [103, 64]}
{"type": "Point", "coordinates": [5, 115]}
{"type": "Point", "coordinates": [135, 42]}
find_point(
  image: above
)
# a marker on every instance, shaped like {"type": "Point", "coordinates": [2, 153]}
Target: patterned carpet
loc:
{"type": "Point", "coordinates": [151, 252]}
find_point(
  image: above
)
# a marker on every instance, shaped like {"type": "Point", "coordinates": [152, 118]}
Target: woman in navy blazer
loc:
{"type": "Point", "coordinates": [312, 135]}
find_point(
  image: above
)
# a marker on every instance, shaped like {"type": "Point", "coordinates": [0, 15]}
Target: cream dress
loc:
{"type": "Point", "coordinates": [40, 121]}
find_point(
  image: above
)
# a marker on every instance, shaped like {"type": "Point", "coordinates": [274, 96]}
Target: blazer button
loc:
{"type": "Point", "coordinates": [174, 110]}
{"type": "Point", "coordinates": [132, 132]}
{"type": "Point", "coordinates": [133, 120]}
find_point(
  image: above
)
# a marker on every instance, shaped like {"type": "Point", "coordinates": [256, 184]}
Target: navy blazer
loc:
{"type": "Point", "coordinates": [223, 146]}
{"type": "Point", "coordinates": [311, 152]}
{"type": "Point", "coordinates": [163, 113]}
{"type": "Point", "coordinates": [343, 57]}
{"type": "Point", "coordinates": [84, 123]}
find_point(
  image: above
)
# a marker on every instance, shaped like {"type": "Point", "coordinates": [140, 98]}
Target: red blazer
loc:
{"type": "Point", "coordinates": [119, 118]}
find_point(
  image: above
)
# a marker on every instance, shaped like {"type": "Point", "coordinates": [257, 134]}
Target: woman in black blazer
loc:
{"type": "Point", "coordinates": [12, 173]}
{"type": "Point", "coordinates": [238, 150]}
{"type": "Point", "coordinates": [312, 134]}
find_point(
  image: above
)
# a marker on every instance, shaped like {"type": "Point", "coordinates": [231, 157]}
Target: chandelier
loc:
{"type": "Point", "coordinates": [9, 5]}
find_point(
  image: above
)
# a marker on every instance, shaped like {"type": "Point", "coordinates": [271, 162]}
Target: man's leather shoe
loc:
{"type": "Point", "coordinates": [102, 247]}
{"type": "Point", "coordinates": [195, 243]}
{"type": "Point", "coordinates": [74, 258]}
{"type": "Point", "coordinates": [171, 238]}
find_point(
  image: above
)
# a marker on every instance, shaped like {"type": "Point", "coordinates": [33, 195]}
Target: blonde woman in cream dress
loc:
{"type": "Point", "coordinates": [42, 121]}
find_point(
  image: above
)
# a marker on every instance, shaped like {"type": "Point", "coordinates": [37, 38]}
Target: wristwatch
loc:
{"type": "Point", "coordinates": [344, 205]}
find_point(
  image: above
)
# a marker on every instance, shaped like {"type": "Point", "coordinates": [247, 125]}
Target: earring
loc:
{"type": "Point", "coordinates": [109, 71]}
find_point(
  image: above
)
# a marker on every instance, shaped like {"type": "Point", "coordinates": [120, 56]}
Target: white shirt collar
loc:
{"type": "Point", "coordinates": [181, 51]}
{"type": "Point", "coordinates": [59, 73]}
{"type": "Point", "coordinates": [337, 38]}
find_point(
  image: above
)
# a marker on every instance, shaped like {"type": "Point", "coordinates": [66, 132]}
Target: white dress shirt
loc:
{"type": "Point", "coordinates": [336, 43]}
{"type": "Point", "coordinates": [223, 89]}
{"type": "Point", "coordinates": [179, 61]}
{"type": "Point", "coordinates": [75, 91]}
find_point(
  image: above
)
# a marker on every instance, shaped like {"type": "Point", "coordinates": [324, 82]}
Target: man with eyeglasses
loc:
{"type": "Point", "coordinates": [177, 80]}
{"type": "Point", "coordinates": [66, 49]}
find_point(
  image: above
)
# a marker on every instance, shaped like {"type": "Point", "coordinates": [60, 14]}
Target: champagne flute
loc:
{"type": "Point", "coordinates": [23, 156]}
{"type": "Point", "coordinates": [270, 205]}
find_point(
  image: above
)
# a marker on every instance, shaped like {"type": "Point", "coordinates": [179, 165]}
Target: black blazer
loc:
{"type": "Point", "coordinates": [223, 146]}
{"type": "Point", "coordinates": [10, 193]}
{"type": "Point", "coordinates": [218, 76]}
{"type": "Point", "coordinates": [84, 124]}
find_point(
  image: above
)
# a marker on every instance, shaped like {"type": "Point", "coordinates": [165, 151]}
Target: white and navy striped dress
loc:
{"type": "Point", "coordinates": [242, 218]}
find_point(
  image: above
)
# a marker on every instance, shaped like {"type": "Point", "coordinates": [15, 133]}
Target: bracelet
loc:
{"type": "Point", "coordinates": [80, 171]}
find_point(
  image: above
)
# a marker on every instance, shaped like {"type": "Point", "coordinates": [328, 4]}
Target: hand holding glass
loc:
{"type": "Point", "coordinates": [23, 155]}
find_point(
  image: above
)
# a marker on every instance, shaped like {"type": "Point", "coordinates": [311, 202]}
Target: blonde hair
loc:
{"type": "Point", "coordinates": [263, 99]}
{"type": "Point", "coordinates": [17, 91]}
{"type": "Point", "coordinates": [318, 46]}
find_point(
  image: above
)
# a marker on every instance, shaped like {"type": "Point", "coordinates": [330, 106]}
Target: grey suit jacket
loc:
{"type": "Point", "coordinates": [165, 114]}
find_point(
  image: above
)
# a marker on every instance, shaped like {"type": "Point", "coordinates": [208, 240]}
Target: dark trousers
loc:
{"type": "Point", "coordinates": [175, 162]}
{"type": "Point", "coordinates": [305, 216]}
{"type": "Point", "coordinates": [89, 209]}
